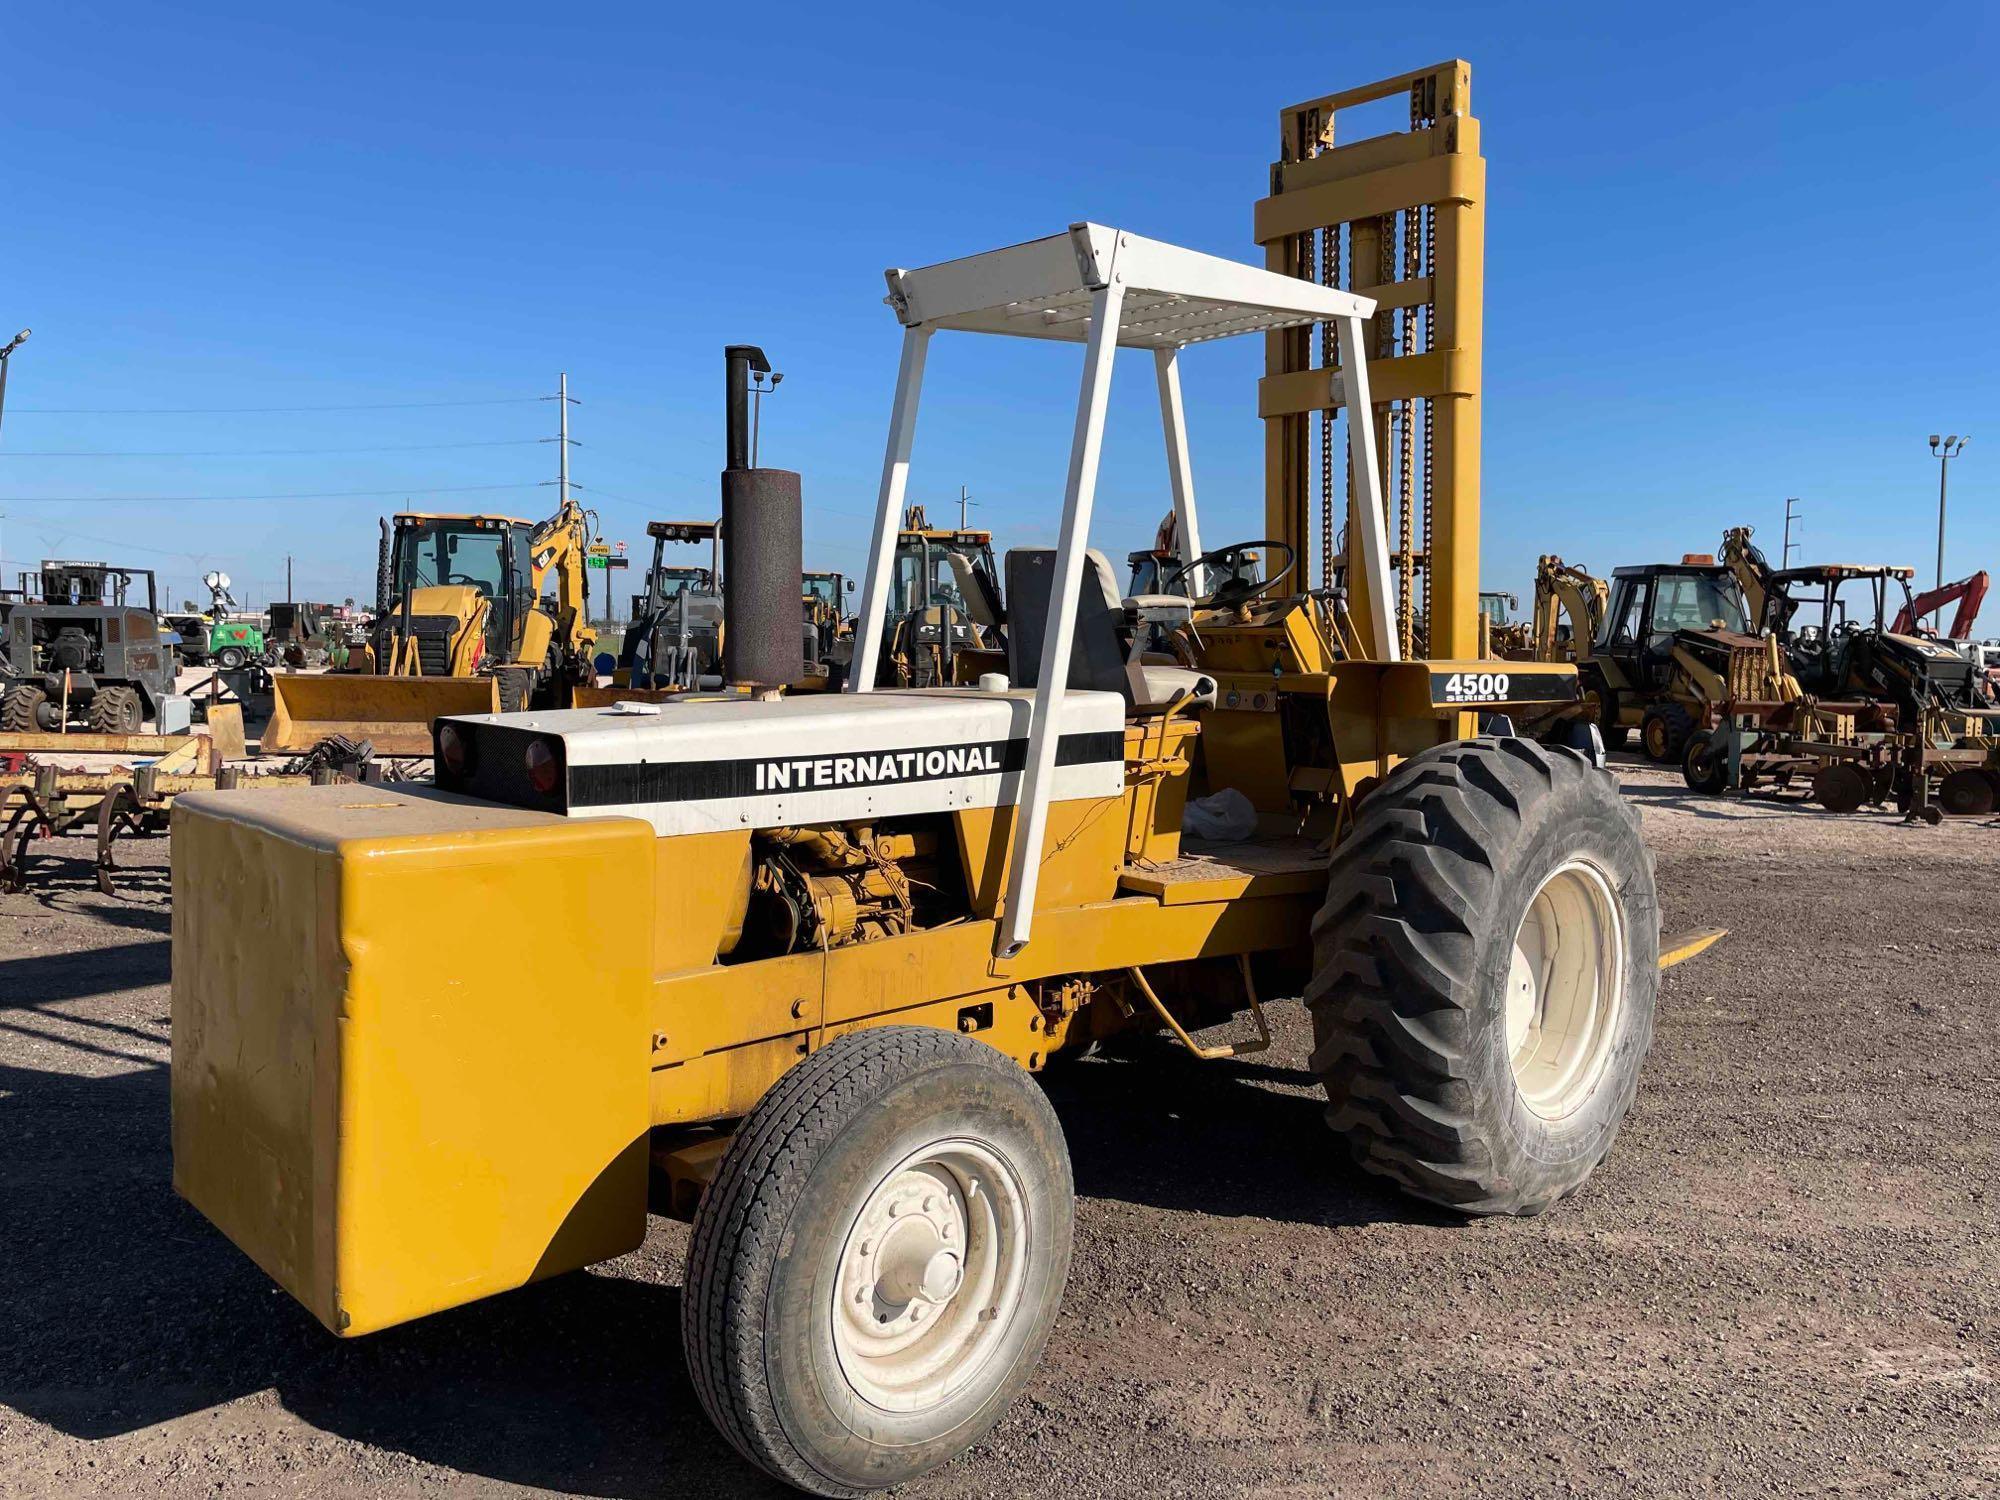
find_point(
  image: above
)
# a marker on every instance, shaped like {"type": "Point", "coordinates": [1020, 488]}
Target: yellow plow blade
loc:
{"type": "Point", "coordinates": [1683, 946]}
{"type": "Point", "coordinates": [392, 713]}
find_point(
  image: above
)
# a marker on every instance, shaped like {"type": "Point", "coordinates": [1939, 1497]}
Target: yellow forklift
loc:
{"type": "Point", "coordinates": [851, 927]}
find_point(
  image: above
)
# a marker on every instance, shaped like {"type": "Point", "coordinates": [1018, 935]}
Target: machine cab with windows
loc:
{"type": "Point", "coordinates": [944, 609]}
{"type": "Point", "coordinates": [435, 559]}
{"type": "Point", "coordinates": [675, 638]}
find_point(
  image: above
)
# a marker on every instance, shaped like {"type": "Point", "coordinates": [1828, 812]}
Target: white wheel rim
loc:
{"type": "Point", "coordinates": [1566, 989]}
{"type": "Point", "coordinates": [930, 1275]}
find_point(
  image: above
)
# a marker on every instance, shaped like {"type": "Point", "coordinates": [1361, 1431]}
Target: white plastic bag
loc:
{"type": "Point", "coordinates": [1225, 817]}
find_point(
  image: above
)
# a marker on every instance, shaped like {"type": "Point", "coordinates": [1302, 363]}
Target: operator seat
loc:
{"type": "Point", "coordinates": [1101, 658]}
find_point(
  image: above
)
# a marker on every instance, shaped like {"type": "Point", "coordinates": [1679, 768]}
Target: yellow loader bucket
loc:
{"type": "Point", "coordinates": [592, 696]}
{"type": "Point", "coordinates": [393, 713]}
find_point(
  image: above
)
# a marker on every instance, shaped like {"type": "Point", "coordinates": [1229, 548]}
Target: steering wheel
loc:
{"type": "Point", "coordinates": [1232, 592]}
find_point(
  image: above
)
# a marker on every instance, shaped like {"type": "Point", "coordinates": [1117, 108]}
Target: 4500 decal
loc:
{"type": "Point", "coordinates": [1503, 687]}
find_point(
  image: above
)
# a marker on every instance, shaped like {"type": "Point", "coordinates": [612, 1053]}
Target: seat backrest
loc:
{"type": "Point", "coordinates": [1098, 659]}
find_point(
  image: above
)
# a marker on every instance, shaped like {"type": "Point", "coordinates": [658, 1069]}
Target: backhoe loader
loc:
{"type": "Point", "coordinates": [945, 610]}
{"type": "Point", "coordinates": [461, 626]}
{"type": "Point", "coordinates": [843, 931]}
{"type": "Point", "coordinates": [1851, 702]}
{"type": "Point", "coordinates": [1656, 648]}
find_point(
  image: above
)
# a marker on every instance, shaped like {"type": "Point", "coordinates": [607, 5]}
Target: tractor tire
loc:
{"type": "Point", "coordinates": [1704, 766]}
{"type": "Point", "coordinates": [1966, 793]}
{"type": "Point", "coordinates": [874, 1272]}
{"type": "Point", "coordinates": [115, 710]}
{"type": "Point", "coordinates": [515, 690]}
{"type": "Point", "coordinates": [1459, 1059]}
{"type": "Point", "coordinates": [26, 710]}
{"type": "Point", "coordinates": [232, 658]}
{"type": "Point", "coordinates": [1840, 787]}
{"type": "Point", "coordinates": [1663, 733]}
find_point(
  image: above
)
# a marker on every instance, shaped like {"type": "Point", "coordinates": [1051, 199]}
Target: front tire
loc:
{"type": "Point", "coordinates": [1704, 765]}
{"type": "Point", "coordinates": [115, 710]}
{"type": "Point", "coordinates": [1485, 969]}
{"type": "Point", "coordinates": [874, 1272]}
{"type": "Point", "coordinates": [232, 658]}
{"type": "Point", "coordinates": [514, 689]}
{"type": "Point", "coordinates": [1664, 732]}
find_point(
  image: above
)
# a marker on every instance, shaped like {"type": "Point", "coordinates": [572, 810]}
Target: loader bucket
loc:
{"type": "Point", "coordinates": [392, 713]}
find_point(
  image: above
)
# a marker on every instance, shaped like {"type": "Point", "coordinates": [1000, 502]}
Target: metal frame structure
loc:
{"type": "Point", "coordinates": [1105, 289]}
{"type": "Point", "coordinates": [1401, 219]}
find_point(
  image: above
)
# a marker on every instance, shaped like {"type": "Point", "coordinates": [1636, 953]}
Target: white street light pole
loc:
{"type": "Point", "coordinates": [1945, 451]}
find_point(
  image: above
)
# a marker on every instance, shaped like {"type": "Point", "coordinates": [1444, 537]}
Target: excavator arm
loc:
{"type": "Point", "coordinates": [1563, 588]}
{"type": "Point", "coordinates": [1969, 593]}
{"type": "Point", "coordinates": [1751, 569]}
{"type": "Point", "coordinates": [559, 546]}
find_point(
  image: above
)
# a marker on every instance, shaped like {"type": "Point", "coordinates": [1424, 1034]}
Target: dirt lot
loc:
{"type": "Point", "coordinates": [1786, 1280]}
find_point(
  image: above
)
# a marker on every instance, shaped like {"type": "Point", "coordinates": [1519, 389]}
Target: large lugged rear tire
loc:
{"type": "Point", "coordinates": [24, 709]}
{"type": "Point", "coordinates": [1485, 969]}
{"type": "Point", "coordinates": [877, 1265]}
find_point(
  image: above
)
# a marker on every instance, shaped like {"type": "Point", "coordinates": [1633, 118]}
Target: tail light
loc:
{"type": "Point", "coordinates": [542, 768]}
{"type": "Point", "coordinates": [454, 750]}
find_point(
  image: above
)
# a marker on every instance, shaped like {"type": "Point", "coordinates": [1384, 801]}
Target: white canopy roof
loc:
{"type": "Point", "coordinates": [1172, 296]}
{"type": "Point", "coordinates": [1104, 289]}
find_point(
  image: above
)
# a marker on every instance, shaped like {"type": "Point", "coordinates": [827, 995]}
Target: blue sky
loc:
{"type": "Point", "coordinates": [1734, 254]}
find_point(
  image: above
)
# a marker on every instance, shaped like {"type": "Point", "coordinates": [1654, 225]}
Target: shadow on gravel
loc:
{"type": "Point", "coordinates": [71, 869]}
{"type": "Point", "coordinates": [1678, 798]}
{"type": "Point", "coordinates": [1150, 1124]}
{"type": "Point", "coordinates": [123, 1308]}
{"type": "Point", "coordinates": [41, 978]}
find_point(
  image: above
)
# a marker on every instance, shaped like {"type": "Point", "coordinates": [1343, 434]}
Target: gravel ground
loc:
{"type": "Point", "coordinates": [1784, 1281]}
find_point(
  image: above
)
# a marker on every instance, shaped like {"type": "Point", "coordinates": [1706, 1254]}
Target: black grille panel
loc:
{"type": "Point", "coordinates": [433, 637]}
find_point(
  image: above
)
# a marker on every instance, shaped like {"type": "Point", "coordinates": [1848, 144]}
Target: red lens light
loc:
{"type": "Point", "coordinates": [542, 768]}
{"type": "Point", "coordinates": [452, 750]}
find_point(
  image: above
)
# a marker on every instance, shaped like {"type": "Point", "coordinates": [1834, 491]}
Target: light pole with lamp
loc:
{"type": "Point", "coordinates": [6, 354]}
{"type": "Point", "coordinates": [1945, 450]}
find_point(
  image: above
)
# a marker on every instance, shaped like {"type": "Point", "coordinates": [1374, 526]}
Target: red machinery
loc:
{"type": "Point", "coordinates": [1970, 594]}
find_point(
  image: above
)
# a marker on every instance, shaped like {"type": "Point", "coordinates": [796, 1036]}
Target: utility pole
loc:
{"type": "Point", "coordinates": [6, 354]}
{"type": "Point", "coordinates": [1945, 451]}
{"type": "Point", "coordinates": [965, 502]}
{"type": "Point", "coordinates": [288, 578]}
{"type": "Point", "coordinates": [1791, 514]}
{"type": "Point", "coordinates": [562, 441]}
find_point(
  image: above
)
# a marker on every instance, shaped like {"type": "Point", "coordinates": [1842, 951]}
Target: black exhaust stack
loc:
{"type": "Point", "coordinates": [762, 646]}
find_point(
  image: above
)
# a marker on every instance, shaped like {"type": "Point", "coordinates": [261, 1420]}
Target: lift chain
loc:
{"type": "Point", "coordinates": [1329, 275]}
